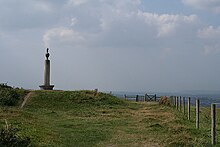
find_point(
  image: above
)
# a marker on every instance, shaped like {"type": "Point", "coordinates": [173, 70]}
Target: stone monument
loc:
{"type": "Point", "coordinates": [47, 85]}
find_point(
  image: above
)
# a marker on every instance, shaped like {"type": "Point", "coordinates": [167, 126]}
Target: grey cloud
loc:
{"type": "Point", "coordinates": [106, 44]}
{"type": "Point", "coordinates": [16, 15]}
{"type": "Point", "coordinates": [213, 5]}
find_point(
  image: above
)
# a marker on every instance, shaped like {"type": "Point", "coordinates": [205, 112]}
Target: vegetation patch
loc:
{"type": "Point", "coordinates": [10, 96]}
{"type": "Point", "coordinates": [88, 118]}
{"type": "Point", "coordinates": [9, 137]}
{"type": "Point", "coordinates": [164, 101]}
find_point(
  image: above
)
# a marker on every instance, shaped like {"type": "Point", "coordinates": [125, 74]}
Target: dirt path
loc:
{"type": "Point", "coordinates": [145, 127]}
{"type": "Point", "coordinates": [25, 99]}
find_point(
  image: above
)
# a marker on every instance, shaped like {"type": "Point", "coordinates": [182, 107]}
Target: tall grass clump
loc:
{"type": "Point", "coordinates": [164, 101]}
{"type": "Point", "coordinates": [9, 137]}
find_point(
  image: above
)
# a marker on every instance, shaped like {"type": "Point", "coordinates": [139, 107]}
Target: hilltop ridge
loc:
{"type": "Point", "coordinates": [87, 118]}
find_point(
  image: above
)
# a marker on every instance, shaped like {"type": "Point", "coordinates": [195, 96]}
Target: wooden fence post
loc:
{"type": "Point", "coordinates": [177, 102]}
{"type": "Point", "coordinates": [155, 97]}
{"type": "Point", "coordinates": [180, 103]}
{"type": "Point", "coordinates": [184, 111]}
{"type": "Point", "coordinates": [189, 108]}
{"type": "Point", "coordinates": [213, 128]}
{"type": "Point", "coordinates": [197, 114]}
{"type": "Point", "coordinates": [174, 101]}
{"type": "Point", "coordinates": [136, 98]}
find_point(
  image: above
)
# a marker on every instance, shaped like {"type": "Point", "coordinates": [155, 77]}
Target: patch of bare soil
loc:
{"type": "Point", "coordinates": [25, 99]}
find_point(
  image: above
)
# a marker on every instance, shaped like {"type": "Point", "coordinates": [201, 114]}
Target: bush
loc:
{"type": "Point", "coordinates": [10, 138]}
{"type": "Point", "coordinates": [5, 86]}
{"type": "Point", "coordinates": [8, 97]}
{"type": "Point", "coordinates": [164, 101]}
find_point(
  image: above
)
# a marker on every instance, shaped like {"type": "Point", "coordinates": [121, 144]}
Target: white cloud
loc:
{"type": "Point", "coordinates": [61, 35]}
{"type": "Point", "coordinates": [211, 5]}
{"type": "Point", "coordinates": [73, 21]}
{"type": "Point", "coordinates": [210, 36]}
{"type": "Point", "coordinates": [209, 32]}
{"type": "Point", "coordinates": [168, 25]}
{"type": "Point", "coordinates": [76, 2]}
{"type": "Point", "coordinates": [123, 25]}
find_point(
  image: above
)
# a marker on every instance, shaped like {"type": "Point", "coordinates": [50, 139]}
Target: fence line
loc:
{"type": "Point", "coordinates": [138, 98]}
{"type": "Point", "coordinates": [177, 101]}
{"type": "Point", "coordinates": [179, 104]}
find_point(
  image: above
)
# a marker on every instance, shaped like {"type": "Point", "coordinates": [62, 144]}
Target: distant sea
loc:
{"type": "Point", "coordinates": [205, 98]}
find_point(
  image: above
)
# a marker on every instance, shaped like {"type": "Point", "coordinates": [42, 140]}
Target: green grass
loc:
{"type": "Point", "coordinates": [84, 118]}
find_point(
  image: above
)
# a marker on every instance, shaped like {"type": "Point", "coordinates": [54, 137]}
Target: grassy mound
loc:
{"type": "Point", "coordinates": [87, 118]}
{"type": "Point", "coordinates": [65, 100]}
{"type": "Point", "coordinates": [64, 118]}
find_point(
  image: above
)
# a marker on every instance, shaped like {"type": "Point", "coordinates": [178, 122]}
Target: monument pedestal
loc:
{"type": "Point", "coordinates": [44, 87]}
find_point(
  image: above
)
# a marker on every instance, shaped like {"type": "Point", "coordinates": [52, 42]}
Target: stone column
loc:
{"type": "Point", "coordinates": [47, 73]}
{"type": "Point", "coordinates": [47, 85]}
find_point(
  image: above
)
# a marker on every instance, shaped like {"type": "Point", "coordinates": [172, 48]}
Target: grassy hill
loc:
{"type": "Point", "coordinates": [86, 118]}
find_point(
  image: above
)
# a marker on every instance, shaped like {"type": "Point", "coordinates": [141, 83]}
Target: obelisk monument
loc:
{"type": "Point", "coordinates": [47, 85]}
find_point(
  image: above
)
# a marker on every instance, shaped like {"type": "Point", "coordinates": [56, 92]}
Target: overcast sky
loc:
{"type": "Point", "coordinates": [129, 45]}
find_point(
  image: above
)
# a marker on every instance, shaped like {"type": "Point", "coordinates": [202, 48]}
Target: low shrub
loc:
{"type": "Point", "coordinates": [164, 101]}
{"type": "Point", "coordinates": [9, 138]}
{"type": "Point", "coordinates": [8, 97]}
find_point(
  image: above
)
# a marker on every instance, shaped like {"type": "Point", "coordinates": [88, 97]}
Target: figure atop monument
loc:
{"type": "Point", "coordinates": [47, 54]}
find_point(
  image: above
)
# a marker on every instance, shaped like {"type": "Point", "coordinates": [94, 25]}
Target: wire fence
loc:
{"type": "Point", "coordinates": [208, 115]}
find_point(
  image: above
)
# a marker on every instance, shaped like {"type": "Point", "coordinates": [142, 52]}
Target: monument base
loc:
{"type": "Point", "coordinates": [44, 87]}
